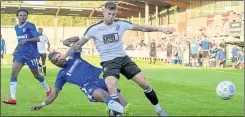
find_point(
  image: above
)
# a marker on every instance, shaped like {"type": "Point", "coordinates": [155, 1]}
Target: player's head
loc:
{"type": "Point", "coordinates": [110, 12]}
{"type": "Point", "coordinates": [54, 57]}
{"type": "Point", "coordinates": [40, 31]}
{"type": "Point", "coordinates": [22, 15]}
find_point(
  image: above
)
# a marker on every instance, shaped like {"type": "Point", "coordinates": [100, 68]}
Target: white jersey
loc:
{"type": "Point", "coordinates": [108, 38]}
{"type": "Point", "coordinates": [42, 43]}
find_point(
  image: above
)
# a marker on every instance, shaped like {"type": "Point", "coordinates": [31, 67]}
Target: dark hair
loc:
{"type": "Point", "coordinates": [110, 5]}
{"type": "Point", "coordinates": [50, 56]}
{"type": "Point", "coordinates": [22, 10]}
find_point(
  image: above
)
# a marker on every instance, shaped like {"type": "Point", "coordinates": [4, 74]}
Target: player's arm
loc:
{"type": "Point", "coordinates": [76, 46]}
{"type": "Point", "coordinates": [34, 33]}
{"type": "Point", "coordinates": [48, 100]}
{"type": "Point", "coordinates": [48, 46]}
{"type": "Point", "coordinates": [70, 41]}
{"type": "Point", "coordinates": [149, 28]}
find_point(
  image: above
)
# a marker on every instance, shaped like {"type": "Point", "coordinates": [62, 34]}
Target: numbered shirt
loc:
{"type": "Point", "coordinates": [27, 31]}
{"type": "Point", "coordinates": [108, 38]}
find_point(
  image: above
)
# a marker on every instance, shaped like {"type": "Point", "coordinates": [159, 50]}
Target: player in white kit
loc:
{"type": "Point", "coordinates": [42, 50]}
{"type": "Point", "coordinates": [107, 35]}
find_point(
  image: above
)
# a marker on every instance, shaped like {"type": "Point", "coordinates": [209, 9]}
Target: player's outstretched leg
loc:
{"type": "Point", "coordinates": [43, 82]}
{"type": "Point", "coordinates": [149, 93]}
{"type": "Point", "coordinates": [101, 95]}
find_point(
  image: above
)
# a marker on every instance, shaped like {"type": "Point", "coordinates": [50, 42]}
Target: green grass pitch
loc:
{"type": "Point", "coordinates": [181, 91]}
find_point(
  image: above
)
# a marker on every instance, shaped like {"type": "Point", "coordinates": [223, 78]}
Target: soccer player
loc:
{"type": "Point", "coordinates": [42, 50]}
{"type": "Point", "coordinates": [240, 63]}
{"type": "Point", "coordinates": [79, 72]}
{"type": "Point", "coordinates": [3, 50]}
{"type": "Point", "coordinates": [205, 49]}
{"type": "Point", "coordinates": [25, 53]}
{"type": "Point", "coordinates": [194, 51]}
{"type": "Point", "coordinates": [222, 57]}
{"type": "Point", "coordinates": [234, 53]}
{"type": "Point", "coordinates": [107, 35]}
{"type": "Point", "coordinates": [153, 51]}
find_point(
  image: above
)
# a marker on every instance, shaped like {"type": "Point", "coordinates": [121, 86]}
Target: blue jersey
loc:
{"type": "Point", "coordinates": [78, 72]}
{"type": "Point", "coordinates": [205, 45]}
{"type": "Point", "coordinates": [194, 47]}
{"type": "Point", "coordinates": [27, 31]}
{"type": "Point", "coordinates": [234, 52]}
{"type": "Point", "coordinates": [221, 55]}
{"type": "Point", "coordinates": [241, 58]}
{"type": "Point", "coordinates": [2, 45]}
{"type": "Point", "coordinates": [213, 52]}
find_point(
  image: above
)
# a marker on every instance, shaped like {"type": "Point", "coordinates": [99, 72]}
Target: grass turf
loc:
{"type": "Point", "coordinates": [181, 91]}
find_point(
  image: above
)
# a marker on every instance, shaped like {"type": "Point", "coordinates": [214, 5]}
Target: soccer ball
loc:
{"type": "Point", "coordinates": [225, 90]}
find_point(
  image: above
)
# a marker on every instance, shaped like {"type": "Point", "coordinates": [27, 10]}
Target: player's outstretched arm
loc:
{"type": "Point", "coordinates": [69, 41]}
{"type": "Point", "coordinates": [48, 101]}
{"type": "Point", "coordinates": [76, 47]}
{"type": "Point", "coordinates": [149, 28]}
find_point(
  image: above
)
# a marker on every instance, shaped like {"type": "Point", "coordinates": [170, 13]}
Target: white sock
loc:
{"type": "Point", "coordinates": [157, 107]}
{"type": "Point", "coordinates": [45, 85]}
{"type": "Point", "coordinates": [13, 86]}
{"type": "Point", "coordinates": [114, 105]}
{"type": "Point", "coordinates": [159, 110]}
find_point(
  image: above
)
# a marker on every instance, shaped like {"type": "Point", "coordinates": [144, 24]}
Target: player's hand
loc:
{"type": "Point", "coordinates": [38, 107]}
{"type": "Point", "coordinates": [22, 42]}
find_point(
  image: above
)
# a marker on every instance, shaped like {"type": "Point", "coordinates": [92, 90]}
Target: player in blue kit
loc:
{"type": "Point", "coordinates": [222, 57]}
{"type": "Point", "coordinates": [194, 51]}
{"type": "Point", "coordinates": [25, 53]}
{"type": "Point", "coordinates": [3, 49]}
{"type": "Point", "coordinates": [86, 76]}
{"type": "Point", "coordinates": [205, 49]}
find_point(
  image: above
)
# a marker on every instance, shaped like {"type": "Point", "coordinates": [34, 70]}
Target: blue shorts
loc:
{"type": "Point", "coordinates": [32, 63]}
{"type": "Point", "coordinates": [89, 88]}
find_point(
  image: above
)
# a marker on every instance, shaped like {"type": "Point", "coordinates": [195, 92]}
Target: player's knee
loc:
{"type": "Point", "coordinates": [100, 95]}
{"type": "Point", "coordinates": [111, 82]}
{"type": "Point", "coordinates": [145, 85]}
{"type": "Point", "coordinates": [141, 81]}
